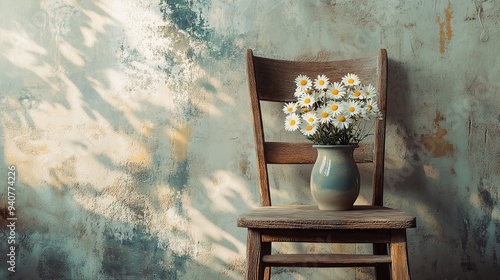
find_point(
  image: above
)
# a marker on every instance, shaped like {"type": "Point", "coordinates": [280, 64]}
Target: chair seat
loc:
{"type": "Point", "coordinates": [310, 217]}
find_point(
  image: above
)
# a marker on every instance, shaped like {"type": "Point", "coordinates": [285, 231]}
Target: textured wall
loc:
{"type": "Point", "coordinates": [128, 123]}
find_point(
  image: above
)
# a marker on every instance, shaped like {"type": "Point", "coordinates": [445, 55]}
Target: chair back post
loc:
{"type": "Point", "coordinates": [265, 196]}
{"type": "Point", "coordinates": [379, 153]}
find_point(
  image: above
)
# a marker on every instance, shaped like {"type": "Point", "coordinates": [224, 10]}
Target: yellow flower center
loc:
{"type": "Point", "coordinates": [357, 93]}
{"type": "Point", "coordinates": [303, 82]}
{"type": "Point", "coordinates": [350, 81]}
{"type": "Point", "coordinates": [307, 101]}
{"type": "Point", "coordinates": [341, 119]}
{"type": "Point", "coordinates": [370, 107]}
{"type": "Point", "coordinates": [290, 109]}
{"type": "Point", "coordinates": [334, 107]}
{"type": "Point", "coordinates": [311, 119]}
{"type": "Point", "coordinates": [309, 127]}
{"type": "Point", "coordinates": [367, 92]}
{"type": "Point", "coordinates": [324, 114]}
{"type": "Point", "coordinates": [305, 110]}
{"type": "Point", "coordinates": [321, 82]}
{"type": "Point", "coordinates": [335, 91]}
{"type": "Point", "coordinates": [351, 109]}
{"type": "Point", "coordinates": [292, 122]}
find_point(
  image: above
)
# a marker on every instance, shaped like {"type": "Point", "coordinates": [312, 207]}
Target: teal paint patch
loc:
{"type": "Point", "coordinates": [208, 86]}
{"type": "Point", "coordinates": [52, 264]}
{"type": "Point", "coordinates": [179, 178]}
{"type": "Point", "coordinates": [189, 19]}
{"type": "Point", "coordinates": [142, 257]}
{"type": "Point", "coordinates": [185, 18]}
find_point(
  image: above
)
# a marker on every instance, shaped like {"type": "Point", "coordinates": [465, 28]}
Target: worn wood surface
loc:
{"type": "Point", "coordinates": [399, 255]}
{"type": "Point", "coordinates": [379, 153]}
{"type": "Point", "coordinates": [324, 260]}
{"type": "Point", "coordinates": [327, 236]}
{"type": "Point", "coordinates": [305, 153]}
{"type": "Point", "coordinates": [382, 271]}
{"type": "Point", "coordinates": [269, 71]}
{"type": "Point", "coordinates": [255, 268]}
{"type": "Point", "coordinates": [310, 217]}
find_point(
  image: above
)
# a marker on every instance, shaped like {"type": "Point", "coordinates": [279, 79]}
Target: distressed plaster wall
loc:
{"type": "Point", "coordinates": [128, 122]}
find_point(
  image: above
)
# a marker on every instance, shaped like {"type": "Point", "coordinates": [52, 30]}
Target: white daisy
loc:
{"type": "Point", "coordinates": [307, 100]}
{"type": "Point", "coordinates": [292, 122]}
{"type": "Point", "coordinates": [298, 92]}
{"type": "Point", "coordinates": [309, 129]}
{"type": "Point", "coordinates": [353, 108]}
{"type": "Point", "coordinates": [369, 91]}
{"type": "Point", "coordinates": [325, 115]}
{"type": "Point", "coordinates": [371, 109]}
{"type": "Point", "coordinates": [336, 91]}
{"type": "Point", "coordinates": [321, 82]}
{"type": "Point", "coordinates": [335, 107]}
{"type": "Point", "coordinates": [310, 117]}
{"type": "Point", "coordinates": [342, 121]}
{"type": "Point", "coordinates": [356, 93]}
{"type": "Point", "coordinates": [290, 107]}
{"type": "Point", "coordinates": [303, 82]}
{"type": "Point", "coordinates": [351, 80]}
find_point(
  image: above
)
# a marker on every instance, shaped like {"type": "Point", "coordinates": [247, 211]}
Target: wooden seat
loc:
{"type": "Point", "coordinates": [384, 227]}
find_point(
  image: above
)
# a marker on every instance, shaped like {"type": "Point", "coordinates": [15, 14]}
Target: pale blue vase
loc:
{"type": "Point", "coordinates": [335, 177]}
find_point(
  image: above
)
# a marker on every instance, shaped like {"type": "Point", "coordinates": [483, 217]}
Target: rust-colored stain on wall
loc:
{"type": "Point", "coordinates": [445, 32]}
{"type": "Point", "coordinates": [435, 143]}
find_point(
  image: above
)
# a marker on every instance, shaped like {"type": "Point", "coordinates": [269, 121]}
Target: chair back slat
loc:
{"type": "Point", "coordinates": [275, 77]}
{"type": "Point", "coordinates": [272, 80]}
{"type": "Point", "coordinates": [304, 153]}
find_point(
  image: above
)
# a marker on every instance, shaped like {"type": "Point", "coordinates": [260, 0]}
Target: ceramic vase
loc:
{"type": "Point", "coordinates": [335, 177]}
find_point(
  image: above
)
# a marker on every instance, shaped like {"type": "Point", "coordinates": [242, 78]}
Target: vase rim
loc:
{"type": "Point", "coordinates": [336, 146]}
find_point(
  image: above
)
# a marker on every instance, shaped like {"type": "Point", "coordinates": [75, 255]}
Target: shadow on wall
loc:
{"type": "Point", "coordinates": [102, 153]}
{"type": "Point", "coordinates": [446, 216]}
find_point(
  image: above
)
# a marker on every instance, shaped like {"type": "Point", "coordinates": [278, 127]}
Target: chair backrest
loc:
{"type": "Point", "coordinates": [267, 82]}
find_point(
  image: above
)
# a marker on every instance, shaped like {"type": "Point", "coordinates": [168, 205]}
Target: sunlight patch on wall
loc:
{"type": "Point", "coordinates": [222, 190]}
{"type": "Point", "coordinates": [72, 54]}
{"type": "Point", "coordinates": [20, 50]}
{"type": "Point", "coordinates": [179, 137]}
{"type": "Point", "coordinates": [431, 172]}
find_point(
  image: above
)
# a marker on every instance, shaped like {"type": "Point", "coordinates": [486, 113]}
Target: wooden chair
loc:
{"type": "Point", "coordinates": [385, 228]}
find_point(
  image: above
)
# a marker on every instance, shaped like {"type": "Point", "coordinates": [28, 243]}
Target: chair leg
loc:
{"type": "Point", "coordinates": [255, 268]}
{"type": "Point", "coordinates": [382, 271]}
{"type": "Point", "coordinates": [399, 255]}
{"type": "Point", "coordinates": [266, 250]}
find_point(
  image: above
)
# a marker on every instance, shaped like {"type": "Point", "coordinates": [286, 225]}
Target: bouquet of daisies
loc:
{"type": "Point", "coordinates": [332, 113]}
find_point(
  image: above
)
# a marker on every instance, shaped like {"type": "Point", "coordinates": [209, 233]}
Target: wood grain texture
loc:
{"type": "Point", "coordinates": [382, 271]}
{"type": "Point", "coordinates": [272, 74]}
{"type": "Point", "coordinates": [379, 154]}
{"type": "Point", "coordinates": [327, 236]}
{"type": "Point", "coordinates": [310, 217]}
{"type": "Point", "coordinates": [255, 267]}
{"type": "Point", "coordinates": [265, 195]}
{"type": "Point", "coordinates": [324, 260]}
{"type": "Point", "coordinates": [305, 153]}
{"type": "Point", "coordinates": [399, 256]}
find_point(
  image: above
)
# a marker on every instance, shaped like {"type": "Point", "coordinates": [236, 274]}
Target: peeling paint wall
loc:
{"type": "Point", "coordinates": [128, 123]}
